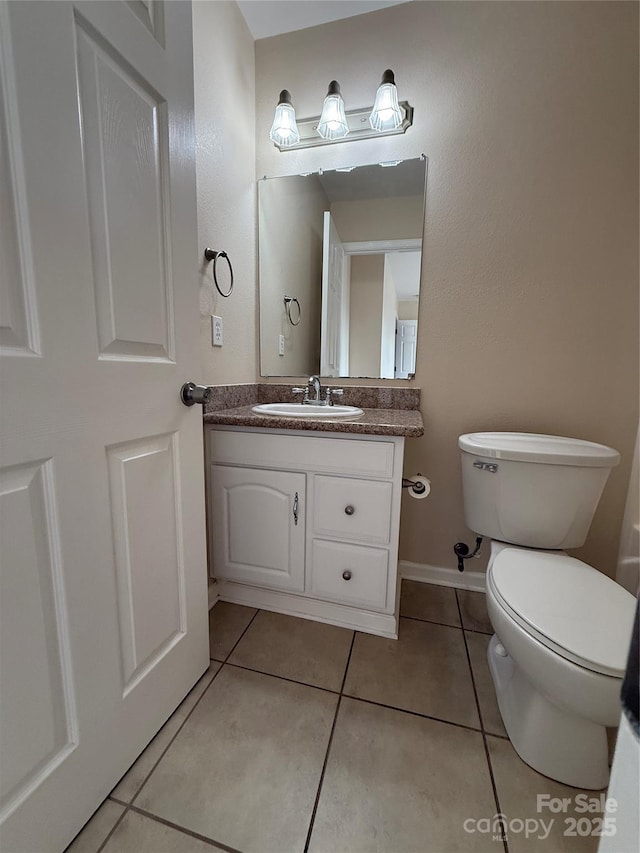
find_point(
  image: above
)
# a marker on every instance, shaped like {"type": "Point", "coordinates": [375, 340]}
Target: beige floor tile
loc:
{"type": "Point", "coordinates": [299, 649]}
{"type": "Point", "coordinates": [140, 834]}
{"type": "Point", "coordinates": [478, 645]}
{"type": "Point", "coordinates": [128, 786]}
{"type": "Point", "coordinates": [396, 783]}
{"type": "Point", "coordinates": [430, 602]}
{"type": "Point", "coordinates": [424, 670]}
{"type": "Point", "coordinates": [245, 767]}
{"type": "Point", "coordinates": [226, 624]}
{"type": "Point", "coordinates": [518, 786]}
{"type": "Point", "coordinates": [473, 606]}
{"type": "Point", "coordinates": [94, 832]}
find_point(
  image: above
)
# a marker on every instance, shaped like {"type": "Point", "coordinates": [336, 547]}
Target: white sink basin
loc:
{"type": "Point", "coordinates": [297, 410]}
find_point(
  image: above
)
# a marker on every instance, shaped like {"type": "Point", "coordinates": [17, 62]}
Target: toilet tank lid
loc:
{"type": "Point", "coordinates": [583, 613]}
{"type": "Point", "coordinates": [531, 447]}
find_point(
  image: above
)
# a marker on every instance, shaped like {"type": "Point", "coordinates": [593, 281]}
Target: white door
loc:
{"type": "Point", "coordinates": [334, 333]}
{"type": "Point", "coordinates": [258, 526]}
{"type": "Point", "coordinates": [406, 343]}
{"type": "Point", "coordinates": [103, 585]}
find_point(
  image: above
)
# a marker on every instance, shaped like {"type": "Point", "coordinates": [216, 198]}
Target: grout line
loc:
{"type": "Point", "coordinates": [326, 756]}
{"type": "Point", "coordinates": [184, 830]}
{"type": "Point", "coordinates": [233, 648]}
{"type": "Point", "coordinates": [429, 621]}
{"type": "Point", "coordinates": [484, 734]}
{"type": "Point", "coordinates": [413, 713]}
{"type": "Point", "coordinates": [281, 677]}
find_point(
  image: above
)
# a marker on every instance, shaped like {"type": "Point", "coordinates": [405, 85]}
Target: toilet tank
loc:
{"type": "Point", "coordinates": [540, 491]}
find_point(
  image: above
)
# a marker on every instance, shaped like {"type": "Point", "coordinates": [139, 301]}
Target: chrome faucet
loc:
{"type": "Point", "coordinates": [314, 382]}
{"type": "Point", "coordinates": [315, 385]}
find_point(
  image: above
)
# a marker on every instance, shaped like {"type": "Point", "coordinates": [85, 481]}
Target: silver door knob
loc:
{"type": "Point", "coordinates": [191, 394]}
{"type": "Point", "coordinates": [349, 510]}
{"type": "Point", "coordinates": [346, 575]}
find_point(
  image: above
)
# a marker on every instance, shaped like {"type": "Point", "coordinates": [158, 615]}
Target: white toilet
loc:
{"type": "Point", "coordinates": [562, 628]}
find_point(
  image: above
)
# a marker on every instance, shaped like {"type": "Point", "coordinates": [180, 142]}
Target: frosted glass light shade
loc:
{"type": "Point", "coordinates": [333, 122]}
{"type": "Point", "coordinates": [284, 130]}
{"type": "Point", "coordinates": [386, 113]}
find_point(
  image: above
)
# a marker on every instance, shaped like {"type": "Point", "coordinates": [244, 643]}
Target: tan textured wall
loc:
{"type": "Point", "coordinates": [379, 218]}
{"type": "Point", "coordinates": [528, 113]}
{"type": "Point", "coordinates": [407, 310]}
{"type": "Point", "coordinates": [224, 79]}
{"type": "Point", "coordinates": [291, 221]}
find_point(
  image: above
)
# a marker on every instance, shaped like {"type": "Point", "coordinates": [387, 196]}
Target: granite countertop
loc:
{"type": "Point", "coordinates": [387, 410]}
{"type": "Point", "coordinates": [399, 422]}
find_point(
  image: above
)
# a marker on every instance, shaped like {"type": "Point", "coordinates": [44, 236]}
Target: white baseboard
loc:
{"type": "Point", "coordinates": [442, 576]}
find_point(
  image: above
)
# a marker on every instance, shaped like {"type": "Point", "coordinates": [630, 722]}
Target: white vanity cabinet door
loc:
{"type": "Point", "coordinates": [259, 526]}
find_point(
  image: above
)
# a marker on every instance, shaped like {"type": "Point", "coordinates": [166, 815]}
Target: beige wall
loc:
{"type": "Point", "coordinates": [379, 218]}
{"type": "Point", "coordinates": [366, 297]}
{"type": "Point", "coordinates": [528, 113]}
{"type": "Point", "coordinates": [224, 79]}
{"type": "Point", "coordinates": [407, 310]}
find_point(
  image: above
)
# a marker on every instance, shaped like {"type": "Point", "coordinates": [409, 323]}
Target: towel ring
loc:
{"type": "Point", "coordinates": [212, 255]}
{"type": "Point", "coordinates": [287, 307]}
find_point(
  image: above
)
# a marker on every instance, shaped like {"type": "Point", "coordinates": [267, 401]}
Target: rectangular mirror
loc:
{"type": "Point", "coordinates": [340, 257]}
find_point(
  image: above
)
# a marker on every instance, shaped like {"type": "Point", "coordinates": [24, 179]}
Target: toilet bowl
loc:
{"type": "Point", "coordinates": [562, 628]}
{"type": "Point", "coordinates": [557, 659]}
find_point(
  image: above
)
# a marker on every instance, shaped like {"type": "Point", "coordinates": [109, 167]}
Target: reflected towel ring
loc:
{"type": "Point", "coordinates": [287, 307]}
{"type": "Point", "coordinates": [212, 255]}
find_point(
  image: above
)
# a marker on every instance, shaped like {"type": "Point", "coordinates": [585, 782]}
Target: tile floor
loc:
{"type": "Point", "coordinates": [303, 736]}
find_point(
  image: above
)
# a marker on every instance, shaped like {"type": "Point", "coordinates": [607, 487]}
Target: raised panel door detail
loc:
{"type": "Point", "coordinates": [349, 574]}
{"type": "Point", "coordinates": [352, 509]}
{"type": "Point", "coordinates": [255, 535]}
{"type": "Point", "coordinates": [151, 13]}
{"type": "Point", "coordinates": [19, 332]}
{"type": "Point", "coordinates": [147, 534]}
{"type": "Point", "coordinates": [125, 145]}
{"type": "Point", "coordinates": [38, 728]}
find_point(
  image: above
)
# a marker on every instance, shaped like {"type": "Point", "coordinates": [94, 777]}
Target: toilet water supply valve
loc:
{"type": "Point", "coordinates": [461, 550]}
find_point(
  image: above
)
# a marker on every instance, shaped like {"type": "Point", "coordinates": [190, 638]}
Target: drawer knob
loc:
{"type": "Point", "coordinates": [349, 510]}
{"type": "Point", "coordinates": [346, 575]}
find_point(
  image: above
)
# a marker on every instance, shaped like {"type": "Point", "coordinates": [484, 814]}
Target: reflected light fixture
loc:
{"type": "Point", "coordinates": [284, 130]}
{"type": "Point", "coordinates": [386, 117]}
{"type": "Point", "coordinates": [386, 113]}
{"type": "Point", "coordinates": [333, 121]}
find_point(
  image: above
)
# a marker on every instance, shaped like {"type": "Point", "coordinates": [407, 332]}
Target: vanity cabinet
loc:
{"type": "Point", "coordinates": [306, 523]}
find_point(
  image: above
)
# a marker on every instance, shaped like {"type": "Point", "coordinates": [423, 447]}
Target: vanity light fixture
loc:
{"type": "Point", "coordinates": [284, 130]}
{"type": "Point", "coordinates": [386, 113]}
{"type": "Point", "coordinates": [386, 117]}
{"type": "Point", "coordinates": [333, 122]}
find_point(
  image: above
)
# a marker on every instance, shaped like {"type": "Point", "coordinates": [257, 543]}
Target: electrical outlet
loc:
{"type": "Point", "coordinates": [280, 344]}
{"type": "Point", "coordinates": [216, 331]}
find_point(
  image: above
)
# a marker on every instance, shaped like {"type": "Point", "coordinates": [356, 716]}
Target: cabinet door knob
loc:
{"type": "Point", "coordinates": [346, 575]}
{"type": "Point", "coordinates": [349, 510]}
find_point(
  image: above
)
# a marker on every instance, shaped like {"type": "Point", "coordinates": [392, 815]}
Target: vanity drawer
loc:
{"type": "Point", "coordinates": [358, 456]}
{"type": "Point", "coordinates": [350, 574]}
{"type": "Point", "coordinates": [352, 509]}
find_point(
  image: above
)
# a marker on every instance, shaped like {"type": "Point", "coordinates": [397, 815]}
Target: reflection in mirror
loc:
{"type": "Point", "coordinates": [347, 245]}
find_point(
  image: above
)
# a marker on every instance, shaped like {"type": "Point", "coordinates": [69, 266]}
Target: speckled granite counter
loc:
{"type": "Point", "coordinates": [400, 422]}
{"type": "Point", "coordinates": [388, 410]}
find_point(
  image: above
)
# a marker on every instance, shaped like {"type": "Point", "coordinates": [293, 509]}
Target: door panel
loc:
{"type": "Point", "coordinates": [38, 714]}
{"type": "Point", "coordinates": [103, 585]}
{"type": "Point", "coordinates": [145, 508]}
{"type": "Point", "coordinates": [125, 149]}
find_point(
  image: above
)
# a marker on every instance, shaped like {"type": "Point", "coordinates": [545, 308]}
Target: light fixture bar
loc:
{"type": "Point", "coordinates": [359, 128]}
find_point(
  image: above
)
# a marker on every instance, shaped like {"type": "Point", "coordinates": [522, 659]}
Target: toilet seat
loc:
{"type": "Point", "coordinates": [567, 605]}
